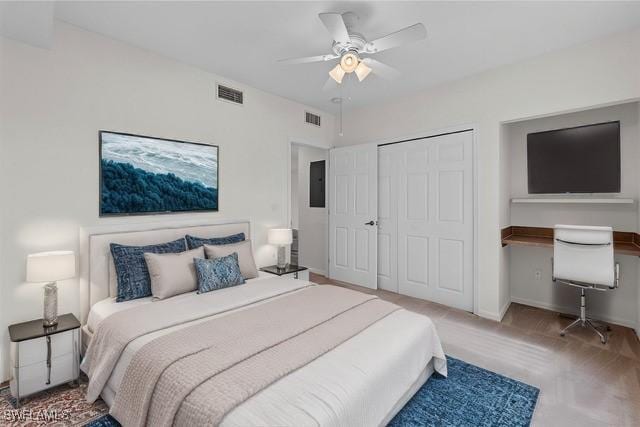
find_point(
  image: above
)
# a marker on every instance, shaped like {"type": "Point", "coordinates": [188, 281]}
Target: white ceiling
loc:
{"type": "Point", "coordinates": [243, 40]}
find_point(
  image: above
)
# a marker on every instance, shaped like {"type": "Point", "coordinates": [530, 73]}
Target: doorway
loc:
{"type": "Point", "coordinates": [309, 207]}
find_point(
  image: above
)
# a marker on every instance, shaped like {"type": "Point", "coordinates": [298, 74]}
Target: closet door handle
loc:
{"type": "Point", "coordinates": [369, 223]}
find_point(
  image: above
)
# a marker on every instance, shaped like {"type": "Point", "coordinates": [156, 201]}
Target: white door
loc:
{"type": "Point", "coordinates": [388, 217]}
{"type": "Point", "coordinates": [353, 205]}
{"type": "Point", "coordinates": [434, 200]}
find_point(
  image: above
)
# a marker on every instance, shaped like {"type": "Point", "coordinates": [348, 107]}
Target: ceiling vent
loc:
{"type": "Point", "coordinates": [312, 119]}
{"type": "Point", "coordinates": [226, 93]}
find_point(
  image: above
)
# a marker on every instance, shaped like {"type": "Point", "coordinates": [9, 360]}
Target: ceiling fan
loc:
{"type": "Point", "coordinates": [354, 49]}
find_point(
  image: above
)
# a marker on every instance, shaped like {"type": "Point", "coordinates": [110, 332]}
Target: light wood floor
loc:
{"type": "Point", "coordinates": [582, 382]}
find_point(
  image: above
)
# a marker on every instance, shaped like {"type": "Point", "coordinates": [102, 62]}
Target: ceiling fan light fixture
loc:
{"type": "Point", "coordinates": [349, 62]}
{"type": "Point", "coordinates": [337, 73]}
{"type": "Point", "coordinates": [362, 71]}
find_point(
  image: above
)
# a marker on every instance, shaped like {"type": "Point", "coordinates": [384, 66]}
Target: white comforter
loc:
{"type": "Point", "coordinates": [362, 382]}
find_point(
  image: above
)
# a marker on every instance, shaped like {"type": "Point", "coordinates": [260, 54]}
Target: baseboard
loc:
{"type": "Point", "coordinates": [317, 271]}
{"type": "Point", "coordinates": [494, 316]}
{"type": "Point", "coordinates": [488, 315]}
{"type": "Point", "coordinates": [504, 309]}
{"type": "Point", "coordinates": [572, 310]}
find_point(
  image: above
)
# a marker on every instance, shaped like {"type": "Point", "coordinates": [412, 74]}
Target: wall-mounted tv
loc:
{"type": "Point", "coordinates": [144, 175]}
{"type": "Point", "coordinates": [584, 159]}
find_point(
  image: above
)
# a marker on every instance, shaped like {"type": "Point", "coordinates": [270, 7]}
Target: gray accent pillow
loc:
{"type": "Point", "coordinates": [245, 256]}
{"type": "Point", "coordinates": [173, 274]}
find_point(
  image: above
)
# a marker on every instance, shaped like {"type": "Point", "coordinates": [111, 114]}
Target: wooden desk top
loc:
{"type": "Point", "coordinates": [625, 243]}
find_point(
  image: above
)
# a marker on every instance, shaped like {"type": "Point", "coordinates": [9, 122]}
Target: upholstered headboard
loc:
{"type": "Point", "coordinates": [97, 273]}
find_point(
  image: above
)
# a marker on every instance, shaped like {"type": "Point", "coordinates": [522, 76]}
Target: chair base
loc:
{"type": "Point", "coordinates": [585, 322]}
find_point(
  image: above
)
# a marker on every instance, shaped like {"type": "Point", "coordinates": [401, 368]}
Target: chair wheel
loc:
{"type": "Point", "coordinates": [561, 334]}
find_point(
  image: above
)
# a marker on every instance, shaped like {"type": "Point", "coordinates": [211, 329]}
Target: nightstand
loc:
{"type": "Point", "coordinates": [290, 270]}
{"type": "Point", "coordinates": [41, 357]}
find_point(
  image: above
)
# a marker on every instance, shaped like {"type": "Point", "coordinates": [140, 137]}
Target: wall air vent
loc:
{"type": "Point", "coordinates": [312, 119]}
{"type": "Point", "coordinates": [226, 93]}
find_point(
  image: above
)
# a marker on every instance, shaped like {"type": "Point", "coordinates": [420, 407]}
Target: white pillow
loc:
{"type": "Point", "coordinates": [173, 273]}
{"type": "Point", "coordinates": [247, 264]}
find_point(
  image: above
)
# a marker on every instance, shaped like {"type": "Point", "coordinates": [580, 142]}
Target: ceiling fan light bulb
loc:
{"type": "Point", "coordinates": [362, 71]}
{"type": "Point", "coordinates": [349, 62]}
{"type": "Point", "coordinates": [337, 73]}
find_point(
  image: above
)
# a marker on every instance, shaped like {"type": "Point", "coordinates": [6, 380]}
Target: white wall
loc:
{"type": "Point", "coordinates": [597, 73]}
{"type": "Point", "coordinates": [619, 306]}
{"type": "Point", "coordinates": [504, 290]}
{"type": "Point", "coordinates": [52, 104]}
{"type": "Point", "coordinates": [313, 223]}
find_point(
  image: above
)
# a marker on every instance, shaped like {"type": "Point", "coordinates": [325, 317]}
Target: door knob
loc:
{"type": "Point", "coordinates": [369, 223]}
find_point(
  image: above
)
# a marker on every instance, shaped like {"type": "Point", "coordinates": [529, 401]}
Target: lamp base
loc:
{"type": "Point", "coordinates": [282, 259]}
{"type": "Point", "coordinates": [50, 317]}
{"type": "Point", "coordinates": [49, 323]}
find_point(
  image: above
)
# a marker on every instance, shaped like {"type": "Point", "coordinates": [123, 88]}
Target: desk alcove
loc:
{"type": "Point", "coordinates": [528, 219]}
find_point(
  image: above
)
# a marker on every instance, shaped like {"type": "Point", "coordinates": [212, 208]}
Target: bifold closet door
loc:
{"type": "Point", "coordinates": [433, 217]}
{"type": "Point", "coordinates": [353, 206]}
{"type": "Point", "coordinates": [388, 163]}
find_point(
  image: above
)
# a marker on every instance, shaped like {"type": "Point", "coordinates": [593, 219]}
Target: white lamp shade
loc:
{"type": "Point", "coordinates": [337, 73]}
{"type": "Point", "coordinates": [51, 266]}
{"type": "Point", "coordinates": [280, 236]}
{"type": "Point", "coordinates": [362, 71]}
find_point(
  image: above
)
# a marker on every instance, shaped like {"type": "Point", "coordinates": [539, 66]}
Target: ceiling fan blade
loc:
{"type": "Point", "coordinates": [383, 70]}
{"type": "Point", "coordinates": [329, 85]}
{"type": "Point", "coordinates": [406, 35]}
{"type": "Point", "coordinates": [335, 26]}
{"type": "Point", "coordinates": [308, 59]}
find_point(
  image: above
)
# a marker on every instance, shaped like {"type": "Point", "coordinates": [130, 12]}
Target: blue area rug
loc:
{"type": "Point", "coordinates": [469, 396]}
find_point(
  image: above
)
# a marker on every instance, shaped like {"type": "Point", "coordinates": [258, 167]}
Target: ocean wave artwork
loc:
{"type": "Point", "coordinates": [140, 174]}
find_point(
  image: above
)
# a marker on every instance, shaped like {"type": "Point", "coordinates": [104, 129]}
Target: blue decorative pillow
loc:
{"type": "Point", "coordinates": [196, 242]}
{"type": "Point", "coordinates": [218, 273]}
{"type": "Point", "coordinates": [131, 268]}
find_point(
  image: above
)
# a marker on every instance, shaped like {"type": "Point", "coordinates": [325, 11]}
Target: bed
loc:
{"type": "Point", "coordinates": [363, 378]}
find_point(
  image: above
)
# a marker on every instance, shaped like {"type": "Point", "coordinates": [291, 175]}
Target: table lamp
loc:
{"type": "Point", "coordinates": [281, 237]}
{"type": "Point", "coordinates": [50, 267]}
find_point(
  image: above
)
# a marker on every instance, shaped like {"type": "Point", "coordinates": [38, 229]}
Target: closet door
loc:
{"type": "Point", "coordinates": [388, 163]}
{"type": "Point", "coordinates": [353, 212]}
{"type": "Point", "coordinates": [435, 219]}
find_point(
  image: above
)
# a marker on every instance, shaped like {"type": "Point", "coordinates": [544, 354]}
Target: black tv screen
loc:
{"type": "Point", "coordinates": [584, 159]}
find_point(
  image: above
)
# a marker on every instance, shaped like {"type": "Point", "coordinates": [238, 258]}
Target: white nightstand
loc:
{"type": "Point", "coordinates": [41, 357]}
{"type": "Point", "coordinates": [290, 270]}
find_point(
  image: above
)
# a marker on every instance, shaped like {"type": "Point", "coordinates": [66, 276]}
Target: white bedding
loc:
{"type": "Point", "coordinates": [105, 308]}
{"type": "Point", "coordinates": [360, 382]}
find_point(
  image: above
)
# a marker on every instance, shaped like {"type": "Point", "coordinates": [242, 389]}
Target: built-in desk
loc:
{"type": "Point", "coordinates": [626, 243]}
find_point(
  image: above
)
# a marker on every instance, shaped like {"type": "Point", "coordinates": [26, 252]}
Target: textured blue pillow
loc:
{"type": "Point", "coordinates": [131, 269]}
{"type": "Point", "coordinates": [196, 242]}
{"type": "Point", "coordinates": [218, 273]}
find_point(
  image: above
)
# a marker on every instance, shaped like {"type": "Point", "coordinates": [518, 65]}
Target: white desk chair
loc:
{"type": "Point", "coordinates": [583, 258]}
